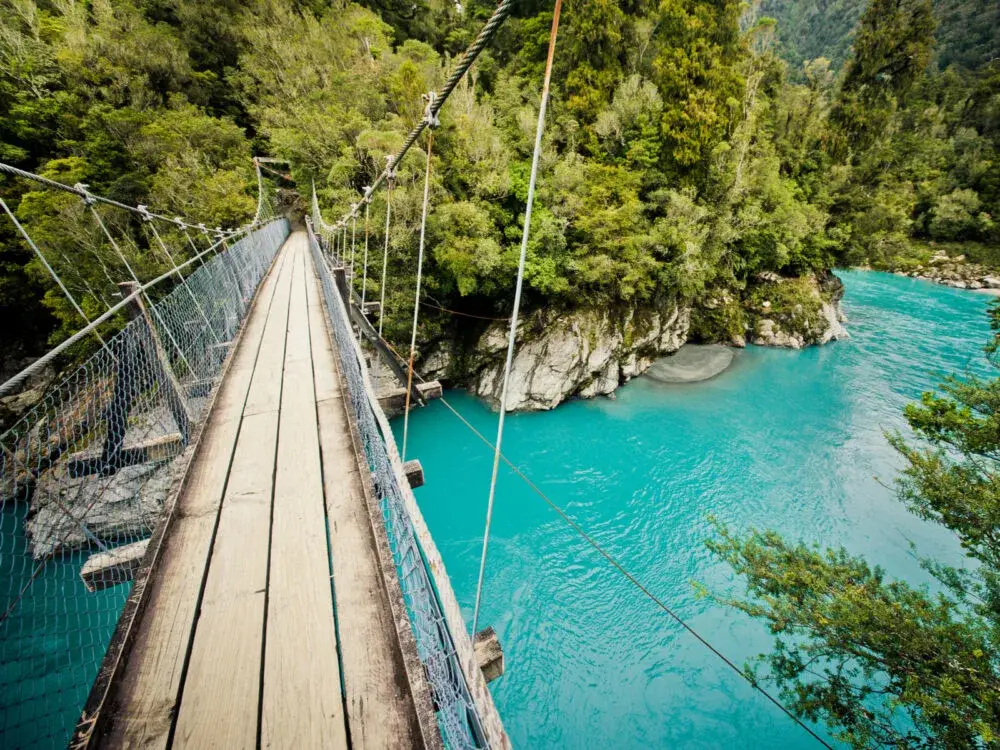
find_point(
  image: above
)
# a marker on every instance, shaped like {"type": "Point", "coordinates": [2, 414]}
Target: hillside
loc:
{"type": "Point", "coordinates": [683, 169]}
{"type": "Point", "coordinates": [968, 32]}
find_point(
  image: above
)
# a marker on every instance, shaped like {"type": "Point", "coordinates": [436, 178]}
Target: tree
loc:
{"type": "Point", "coordinates": [884, 663]}
{"type": "Point", "coordinates": [892, 47]}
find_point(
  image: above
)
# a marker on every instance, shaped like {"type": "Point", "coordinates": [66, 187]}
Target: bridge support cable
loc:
{"type": "Point", "coordinates": [512, 335]}
{"type": "Point", "coordinates": [611, 559]}
{"type": "Point", "coordinates": [83, 193]}
{"type": "Point", "coordinates": [354, 233]}
{"type": "Point", "coordinates": [364, 272]}
{"type": "Point", "coordinates": [385, 253]}
{"type": "Point", "coordinates": [38, 253]}
{"type": "Point", "coordinates": [84, 284]}
{"type": "Point", "coordinates": [190, 241]}
{"type": "Point", "coordinates": [128, 266]}
{"type": "Point", "coordinates": [243, 237]}
{"type": "Point", "coordinates": [433, 122]}
{"type": "Point", "coordinates": [367, 206]}
{"type": "Point", "coordinates": [180, 276]}
{"type": "Point", "coordinates": [486, 34]}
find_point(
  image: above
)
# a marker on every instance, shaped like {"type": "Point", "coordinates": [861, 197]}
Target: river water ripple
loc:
{"type": "Point", "coordinates": [791, 440]}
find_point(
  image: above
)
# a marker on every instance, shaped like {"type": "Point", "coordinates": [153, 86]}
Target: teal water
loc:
{"type": "Point", "coordinates": [52, 643]}
{"type": "Point", "coordinates": [791, 440]}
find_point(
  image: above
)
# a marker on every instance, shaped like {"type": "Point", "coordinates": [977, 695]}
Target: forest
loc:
{"type": "Point", "coordinates": [688, 149]}
{"type": "Point", "coordinates": [966, 33]}
{"type": "Point", "coordinates": [693, 147]}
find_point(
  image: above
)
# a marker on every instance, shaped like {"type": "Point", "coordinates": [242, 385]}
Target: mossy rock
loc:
{"type": "Point", "coordinates": [718, 320]}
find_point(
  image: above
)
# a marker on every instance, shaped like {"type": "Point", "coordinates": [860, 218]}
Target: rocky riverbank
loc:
{"type": "Point", "coordinates": [587, 353]}
{"type": "Point", "coordinates": [583, 353]}
{"type": "Point", "coordinates": [954, 272]}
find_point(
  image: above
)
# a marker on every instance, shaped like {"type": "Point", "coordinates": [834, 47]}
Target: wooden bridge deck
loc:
{"type": "Point", "coordinates": [267, 621]}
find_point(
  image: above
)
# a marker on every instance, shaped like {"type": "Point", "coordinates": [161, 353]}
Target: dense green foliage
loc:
{"type": "Point", "coordinates": [682, 158]}
{"type": "Point", "coordinates": [883, 663]}
{"type": "Point", "coordinates": [968, 30]}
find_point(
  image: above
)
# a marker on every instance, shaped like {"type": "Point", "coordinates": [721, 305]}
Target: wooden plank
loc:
{"type": "Point", "coordinates": [490, 718]}
{"type": "Point", "coordinates": [380, 710]}
{"type": "Point", "coordinates": [326, 381]}
{"type": "Point", "coordinates": [222, 687]}
{"type": "Point", "coordinates": [263, 397]}
{"type": "Point", "coordinates": [302, 704]}
{"type": "Point", "coordinates": [145, 700]}
{"type": "Point", "coordinates": [104, 569]}
{"type": "Point", "coordinates": [489, 653]}
{"type": "Point", "coordinates": [414, 471]}
{"type": "Point", "coordinates": [394, 401]}
{"type": "Point", "coordinates": [161, 448]}
{"type": "Point", "coordinates": [368, 331]}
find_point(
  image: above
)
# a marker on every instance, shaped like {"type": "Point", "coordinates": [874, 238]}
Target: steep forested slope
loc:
{"type": "Point", "coordinates": [968, 30]}
{"type": "Point", "coordinates": [681, 164]}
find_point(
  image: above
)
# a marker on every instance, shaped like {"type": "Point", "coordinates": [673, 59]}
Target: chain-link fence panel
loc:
{"type": "Point", "coordinates": [85, 474]}
{"type": "Point", "coordinates": [457, 713]}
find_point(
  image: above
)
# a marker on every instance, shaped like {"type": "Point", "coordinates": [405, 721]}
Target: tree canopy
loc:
{"type": "Point", "coordinates": [683, 155]}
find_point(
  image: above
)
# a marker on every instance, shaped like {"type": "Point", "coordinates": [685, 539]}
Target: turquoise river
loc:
{"type": "Point", "coordinates": [791, 440]}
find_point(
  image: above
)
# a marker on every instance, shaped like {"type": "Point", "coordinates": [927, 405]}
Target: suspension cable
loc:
{"type": "Point", "coordinates": [260, 190]}
{"type": "Point", "coordinates": [367, 206]}
{"type": "Point", "coordinates": [539, 130]}
{"type": "Point", "coordinates": [153, 308]}
{"type": "Point", "coordinates": [420, 271]}
{"type": "Point", "coordinates": [620, 567]}
{"type": "Point", "coordinates": [75, 268]}
{"type": "Point", "coordinates": [52, 272]}
{"type": "Point", "coordinates": [180, 276]}
{"type": "Point", "coordinates": [215, 240]}
{"type": "Point", "coordinates": [49, 356]}
{"type": "Point", "coordinates": [354, 231]}
{"type": "Point", "coordinates": [83, 193]}
{"type": "Point", "coordinates": [614, 562]}
{"type": "Point", "coordinates": [385, 250]}
{"type": "Point", "coordinates": [486, 34]}
{"type": "Point", "coordinates": [364, 274]}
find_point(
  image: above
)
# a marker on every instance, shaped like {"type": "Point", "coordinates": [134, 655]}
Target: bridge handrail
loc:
{"type": "Point", "coordinates": [85, 475]}
{"type": "Point", "coordinates": [467, 715]}
{"type": "Point", "coordinates": [89, 198]}
{"type": "Point", "coordinates": [40, 363]}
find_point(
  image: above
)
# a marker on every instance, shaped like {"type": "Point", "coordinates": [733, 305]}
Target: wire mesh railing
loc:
{"type": "Point", "coordinates": [457, 712]}
{"type": "Point", "coordinates": [85, 473]}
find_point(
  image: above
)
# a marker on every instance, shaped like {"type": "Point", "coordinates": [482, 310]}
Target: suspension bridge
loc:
{"type": "Point", "coordinates": [226, 453]}
{"type": "Point", "coordinates": [208, 534]}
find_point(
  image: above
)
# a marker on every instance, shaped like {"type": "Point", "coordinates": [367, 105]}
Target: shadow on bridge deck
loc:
{"type": "Point", "coordinates": [236, 641]}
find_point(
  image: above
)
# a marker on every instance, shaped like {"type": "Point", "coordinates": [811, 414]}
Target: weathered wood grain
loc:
{"type": "Point", "coordinates": [380, 708]}
{"type": "Point", "coordinates": [302, 705]}
{"type": "Point", "coordinates": [147, 695]}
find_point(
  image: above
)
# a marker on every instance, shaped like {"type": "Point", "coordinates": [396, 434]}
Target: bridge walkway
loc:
{"type": "Point", "coordinates": [267, 621]}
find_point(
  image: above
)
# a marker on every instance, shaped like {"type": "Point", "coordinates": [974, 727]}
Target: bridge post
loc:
{"type": "Point", "coordinates": [126, 357]}
{"type": "Point", "coordinates": [156, 355]}
{"type": "Point", "coordinates": [340, 279]}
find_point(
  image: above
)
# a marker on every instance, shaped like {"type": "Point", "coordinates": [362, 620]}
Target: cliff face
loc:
{"type": "Point", "coordinates": [783, 316]}
{"type": "Point", "coordinates": [582, 353]}
{"type": "Point", "coordinates": [586, 353]}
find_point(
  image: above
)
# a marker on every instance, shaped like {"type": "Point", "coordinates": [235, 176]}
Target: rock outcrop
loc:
{"type": "Point", "coordinates": [692, 363]}
{"type": "Point", "coordinates": [588, 353]}
{"type": "Point", "coordinates": [811, 314]}
{"type": "Point", "coordinates": [582, 353]}
{"type": "Point", "coordinates": [955, 272]}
